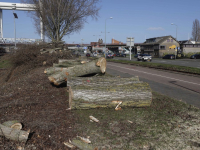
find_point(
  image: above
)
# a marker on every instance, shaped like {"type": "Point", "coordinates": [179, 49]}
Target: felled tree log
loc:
{"type": "Point", "coordinates": [70, 63]}
{"type": "Point", "coordinates": [97, 66]}
{"type": "Point", "coordinates": [15, 124]}
{"type": "Point", "coordinates": [62, 65]}
{"type": "Point", "coordinates": [108, 93]}
{"type": "Point", "coordinates": [14, 134]}
{"type": "Point", "coordinates": [101, 81]}
{"type": "Point", "coordinates": [82, 60]}
{"type": "Point", "coordinates": [54, 70]}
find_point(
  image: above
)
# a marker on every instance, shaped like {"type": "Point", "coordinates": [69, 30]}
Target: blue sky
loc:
{"type": "Point", "coordinates": [131, 18]}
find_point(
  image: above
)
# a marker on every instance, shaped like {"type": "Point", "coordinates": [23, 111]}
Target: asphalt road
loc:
{"type": "Point", "coordinates": [181, 62]}
{"type": "Point", "coordinates": [176, 85]}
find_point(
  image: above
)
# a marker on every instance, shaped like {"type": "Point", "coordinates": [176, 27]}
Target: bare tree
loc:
{"type": "Point", "coordinates": [63, 17]}
{"type": "Point", "coordinates": [196, 30]}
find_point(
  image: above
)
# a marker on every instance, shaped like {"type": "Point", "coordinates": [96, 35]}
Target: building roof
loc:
{"type": "Point", "coordinates": [187, 42]}
{"type": "Point", "coordinates": [159, 40]}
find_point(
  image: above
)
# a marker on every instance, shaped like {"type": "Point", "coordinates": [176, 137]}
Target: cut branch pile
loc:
{"type": "Point", "coordinates": [98, 91]}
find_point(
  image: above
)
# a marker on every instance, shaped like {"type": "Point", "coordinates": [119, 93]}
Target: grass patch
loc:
{"type": "Point", "coordinates": [134, 127]}
{"type": "Point", "coordinates": [161, 66]}
{"type": "Point", "coordinates": [5, 63]}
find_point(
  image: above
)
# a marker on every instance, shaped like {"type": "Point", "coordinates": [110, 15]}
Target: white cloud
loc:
{"type": "Point", "coordinates": [155, 28]}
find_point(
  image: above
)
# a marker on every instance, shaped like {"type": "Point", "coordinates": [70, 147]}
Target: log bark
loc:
{"type": "Point", "coordinates": [63, 65]}
{"type": "Point", "coordinates": [14, 134]}
{"type": "Point", "coordinates": [97, 66]}
{"type": "Point", "coordinates": [82, 60]}
{"type": "Point", "coordinates": [108, 92]}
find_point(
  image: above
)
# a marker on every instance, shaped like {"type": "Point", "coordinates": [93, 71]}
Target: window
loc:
{"type": "Point", "coordinates": [168, 40]}
{"type": "Point", "coordinates": [162, 47]}
{"type": "Point", "coordinates": [172, 40]}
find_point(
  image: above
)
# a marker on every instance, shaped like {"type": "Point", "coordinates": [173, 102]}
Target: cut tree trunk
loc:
{"type": "Point", "coordinates": [15, 124]}
{"type": "Point", "coordinates": [14, 134]}
{"type": "Point", "coordinates": [62, 65]}
{"type": "Point", "coordinates": [108, 93]}
{"type": "Point", "coordinates": [97, 66]}
{"type": "Point", "coordinates": [54, 70]}
{"type": "Point", "coordinates": [82, 60]}
{"type": "Point", "coordinates": [67, 64]}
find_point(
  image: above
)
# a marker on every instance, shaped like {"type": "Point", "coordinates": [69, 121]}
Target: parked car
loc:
{"type": "Point", "coordinates": [95, 54]}
{"type": "Point", "coordinates": [169, 56]}
{"type": "Point", "coordinates": [120, 55]}
{"type": "Point", "coordinates": [109, 55]}
{"type": "Point", "coordinates": [195, 56]}
{"type": "Point", "coordinates": [136, 56]}
{"type": "Point", "coordinates": [144, 57]}
{"type": "Point", "coordinates": [88, 55]}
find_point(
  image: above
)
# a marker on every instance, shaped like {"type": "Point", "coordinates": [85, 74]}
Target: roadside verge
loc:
{"type": "Point", "coordinates": [176, 68]}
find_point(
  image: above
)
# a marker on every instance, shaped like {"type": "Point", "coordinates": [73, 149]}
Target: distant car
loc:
{"type": "Point", "coordinates": [169, 56]}
{"type": "Point", "coordinates": [144, 57]}
{"type": "Point", "coordinates": [109, 55]}
{"type": "Point", "coordinates": [120, 55]}
{"type": "Point", "coordinates": [88, 55]}
{"type": "Point", "coordinates": [195, 56]}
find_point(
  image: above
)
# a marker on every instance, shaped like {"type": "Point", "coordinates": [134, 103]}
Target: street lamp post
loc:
{"type": "Point", "coordinates": [176, 38]}
{"type": "Point", "coordinates": [176, 29]}
{"type": "Point", "coordinates": [105, 35]}
{"type": "Point", "coordinates": [15, 16]}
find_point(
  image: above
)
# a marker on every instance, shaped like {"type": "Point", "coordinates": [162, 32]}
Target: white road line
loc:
{"type": "Point", "coordinates": [154, 74]}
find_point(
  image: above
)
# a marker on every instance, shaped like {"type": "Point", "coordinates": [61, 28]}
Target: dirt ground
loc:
{"type": "Point", "coordinates": [26, 95]}
{"type": "Point", "coordinates": [41, 107]}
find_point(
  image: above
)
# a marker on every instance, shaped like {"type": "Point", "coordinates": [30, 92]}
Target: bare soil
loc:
{"type": "Point", "coordinates": [26, 95]}
{"type": "Point", "coordinates": [41, 107]}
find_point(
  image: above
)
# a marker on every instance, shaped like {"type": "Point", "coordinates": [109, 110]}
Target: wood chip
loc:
{"type": "Point", "coordinates": [117, 107]}
{"type": "Point", "coordinates": [94, 119]}
{"type": "Point", "coordinates": [20, 148]}
{"type": "Point", "coordinates": [68, 109]}
{"type": "Point", "coordinates": [69, 145]}
{"type": "Point", "coordinates": [86, 140]}
{"type": "Point", "coordinates": [130, 121]}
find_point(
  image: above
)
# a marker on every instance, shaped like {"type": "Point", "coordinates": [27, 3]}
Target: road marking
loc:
{"type": "Point", "coordinates": [155, 74]}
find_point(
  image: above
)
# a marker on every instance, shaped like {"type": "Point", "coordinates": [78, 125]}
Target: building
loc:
{"type": "Point", "coordinates": [188, 46]}
{"type": "Point", "coordinates": [116, 42]}
{"type": "Point", "coordinates": [159, 46]}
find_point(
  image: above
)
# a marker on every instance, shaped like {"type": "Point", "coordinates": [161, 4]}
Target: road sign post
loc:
{"type": "Point", "coordinates": [130, 42]}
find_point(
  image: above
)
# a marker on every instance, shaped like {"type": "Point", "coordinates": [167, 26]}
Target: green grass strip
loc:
{"type": "Point", "coordinates": [160, 66]}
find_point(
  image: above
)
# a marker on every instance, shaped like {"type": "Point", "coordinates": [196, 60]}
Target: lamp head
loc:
{"type": "Point", "coordinates": [111, 17]}
{"type": "Point", "coordinates": [172, 23]}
